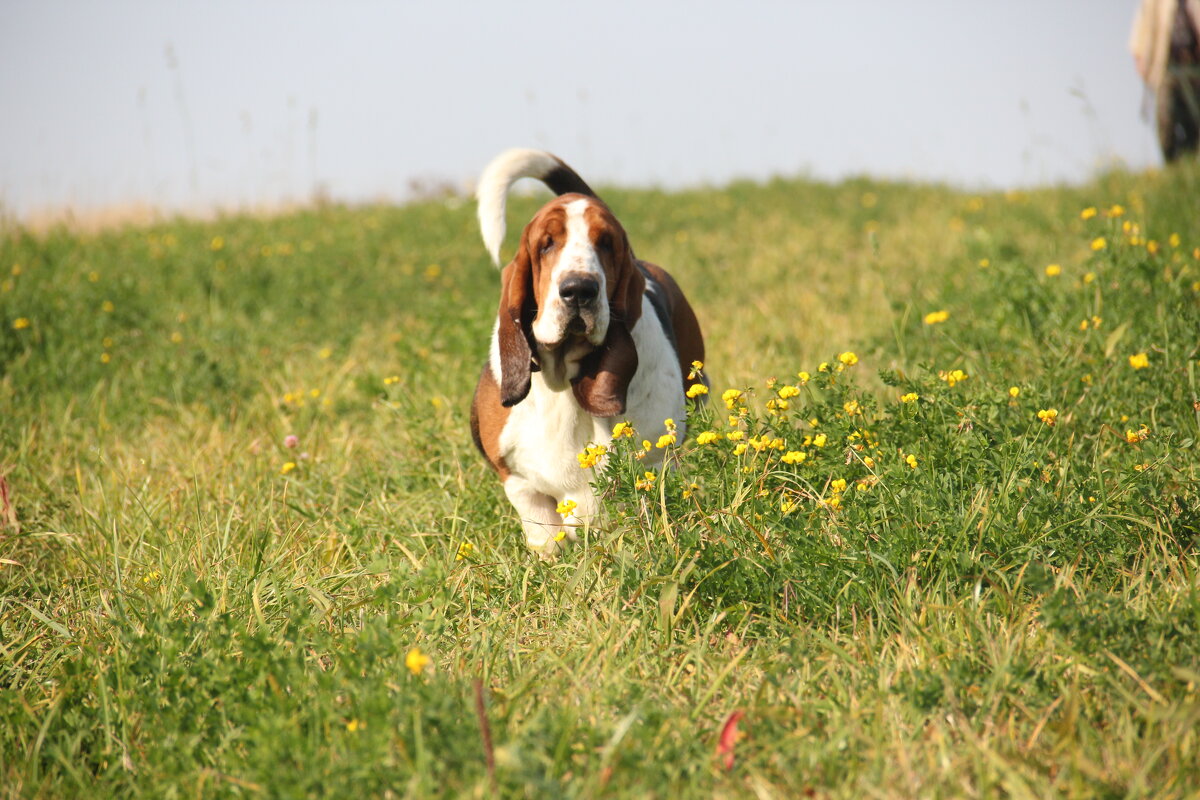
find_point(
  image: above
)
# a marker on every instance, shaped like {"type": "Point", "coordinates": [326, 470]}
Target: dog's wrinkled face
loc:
{"type": "Point", "coordinates": [575, 264]}
{"type": "Point", "coordinates": [572, 282]}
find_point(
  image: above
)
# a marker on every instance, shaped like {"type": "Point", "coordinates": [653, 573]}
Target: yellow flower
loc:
{"type": "Point", "coordinates": [217, 243]}
{"type": "Point", "coordinates": [739, 449]}
{"type": "Point", "coordinates": [107, 307]}
{"type": "Point", "coordinates": [20, 323]}
{"type": "Point", "coordinates": [1048, 416]}
{"type": "Point", "coordinates": [1116, 210]}
{"type": "Point", "coordinates": [732, 398]}
{"type": "Point", "coordinates": [1083, 326]}
{"type": "Point", "coordinates": [793, 457]}
{"type": "Point", "coordinates": [869, 462]}
{"type": "Point", "coordinates": [416, 661]}
{"type": "Point", "coordinates": [852, 407]}
{"type": "Point", "coordinates": [935, 317]}
{"type": "Point", "coordinates": [911, 397]}
{"type": "Point", "coordinates": [848, 358]}
{"type": "Point", "coordinates": [623, 429]}
{"type": "Point", "coordinates": [464, 551]}
{"type": "Point", "coordinates": [665, 440]}
{"type": "Point", "coordinates": [591, 455]}
{"type": "Point", "coordinates": [803, 376]}
{"type": "Point", "coordinates": [788, 391]}
{"type": "Point", "coordinates": [1099, 243]}
{"type": "Point", "coordinates": [647, 481]}
{"type": "Point", "coordinates": [1014, 391]}
{"type": "Point", "coordinates": [1053, 270]}
{"type": "Point", "coordinates": [736, 436]}
{"type": "Point", "coordinates": [566, 507]}
{"type": "Point", "coordinates": [819, 440]}
{"type": "Point", "coordinates": [708, 437]}
{"type": "Point", "coordinates": [1173, 240]}
{"type": "Point", "coordinates": [1140, 435]}
{"type": "Point", "coordinates": [984, 263]}
{"type": "Point", "coordinates": [353, 725]}
{"type": "Point", "coordinates": [911, 460]}
{"type": "Point", "coordinates": [838, 485]}
{"type": "Point", "coordinates": [389, 380]}
{"type": "Point", "coordinates": [1151, 247]}
{"type": "Point", "coordinates": [787, 505]}
{"type": "Point", "coordinates": [1088, 213]}
{"type": "Point", "coordinates": [1088, 277]}
{"type": "Point", "coordinates": [953, 376]}
{"type": "Point", "coordinates": [697, 366]}
{"type": "Point", "coordinates": [1141, 467]}
{"type": "Point", "coordinates": [105, 358]}
{"type": "Point", "coordinates": [823, 366]}
{"type": "Point", "coordinates": [1139, 361]}
{"type": "Point", "coordinates": [696, 389]}
{"type": "Point", "coordinates": [287, 467]}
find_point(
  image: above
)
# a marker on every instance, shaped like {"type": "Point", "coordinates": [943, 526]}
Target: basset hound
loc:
{"type": "Point", "coordinates": [586, 336]}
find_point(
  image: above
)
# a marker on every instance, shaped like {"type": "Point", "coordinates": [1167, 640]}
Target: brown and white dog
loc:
{"type": "Point", "coordinates": [586, 336]}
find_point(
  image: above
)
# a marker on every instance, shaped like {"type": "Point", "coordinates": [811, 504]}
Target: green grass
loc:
{"type": "Point", "coordinates": [189, 608]}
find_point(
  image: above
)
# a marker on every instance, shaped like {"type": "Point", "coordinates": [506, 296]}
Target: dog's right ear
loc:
{"type": "Point", "coordinates": [518, 306]}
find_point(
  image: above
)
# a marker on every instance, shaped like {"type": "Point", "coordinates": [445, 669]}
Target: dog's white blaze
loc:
{"type": "Point", "coordinates": [576, 255]}
{"type": "Point", "coordinates": [547, 430]}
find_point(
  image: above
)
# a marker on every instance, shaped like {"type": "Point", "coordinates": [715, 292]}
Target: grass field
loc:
{"type": "Point", "coordinates": [958, 559]}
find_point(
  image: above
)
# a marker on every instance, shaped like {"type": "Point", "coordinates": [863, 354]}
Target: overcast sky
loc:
{"type": "Point", "coordinates": [188, 105]}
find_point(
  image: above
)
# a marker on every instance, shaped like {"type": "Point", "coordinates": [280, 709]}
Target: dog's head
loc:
{"type": "Point", "coordinates": [570, 299]}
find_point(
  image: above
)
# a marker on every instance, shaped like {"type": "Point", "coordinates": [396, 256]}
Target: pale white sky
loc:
{"type": "Point", "coordinates": [189, 105]}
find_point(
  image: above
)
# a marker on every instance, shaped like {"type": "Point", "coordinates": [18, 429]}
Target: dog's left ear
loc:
{"type": "Point", "coordinates": [605, 374]}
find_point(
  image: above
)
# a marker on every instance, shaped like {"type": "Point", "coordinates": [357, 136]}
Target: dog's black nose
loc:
{"type": "Point", "coordinates": [579, 290]}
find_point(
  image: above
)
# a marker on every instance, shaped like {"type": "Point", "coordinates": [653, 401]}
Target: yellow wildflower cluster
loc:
{"type": "Point", "coordinates": [852, 408]}
{"type": "Point", "coordinates": [1140, 435]}
{"type": "Point", "coordinates": [668, 438]}
{"type": "Point", "coordinates": [566, 508]}
{"type": "Point", "coordinates": [708, 437]}
{"type": "Point", "coordinates": [1048, 416]}
{"type": "Point", "coordinates": [1053, 270]}
{"type": "Point", "coordinates": [760, 443]}
{"type": "Point", "coordinates": [1139, 361]}
{"type": "Point", "coordinates": [591, 455]}
{"type": "Point", "coordinates": [1088, 212]}
{"type": "Point", "coordinates": [848, 358]}
{"type": "Point", "coordinates": [1014, 391]}
{"type": "Point", "coordinates": [647, 481]}
{"type": "Point", "coordinates": [695, 372]}
{"type": "Point", "coordinates": [623, 430]}
{"type": "Point", "coordinates": [464, 551]}
{"type": "Point", "coordinates": [953, 376]}
{"type": "Point", "coordinates": [287, 467]}
{"type": "Point", "coordinates": [793, 457]}
{"type": "Point", "coordinates": [936, 317]}
{"type": "Point", "coordinates": [911, 397]}
{"type": "Point", "coordinates": [21, 323]}
{"type": "Point", "coordinates": [696, 390]}
{"type": "Point", "coordinates": [788, 391]}
{"type": "Point", "coordinates": [911, 460]}
{"type": "Point", "coordinates": [299, 399]}
{"type": "Point", "coordinates": [733, 398]}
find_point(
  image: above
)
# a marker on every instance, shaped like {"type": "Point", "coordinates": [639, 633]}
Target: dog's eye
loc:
{"type": "Point", "coordinates": [605, 243]}
{"type": "Point", "coordinates": [547, 245]}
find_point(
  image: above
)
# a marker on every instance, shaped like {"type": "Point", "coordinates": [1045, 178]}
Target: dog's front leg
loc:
{"type": "Point", "coordinates": [539, 516]}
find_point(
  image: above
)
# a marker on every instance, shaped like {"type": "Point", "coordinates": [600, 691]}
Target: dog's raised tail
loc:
{"type": "Point", "coordinates": [505, 170]}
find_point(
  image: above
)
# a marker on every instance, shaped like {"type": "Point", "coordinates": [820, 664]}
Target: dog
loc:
{"type": "Point", "coordinates": [586, 336]}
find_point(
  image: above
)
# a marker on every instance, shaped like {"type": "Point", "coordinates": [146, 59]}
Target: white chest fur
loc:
{"type": "Point", "coordinates": [547, 430]}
